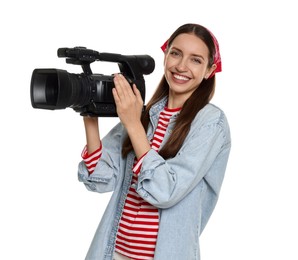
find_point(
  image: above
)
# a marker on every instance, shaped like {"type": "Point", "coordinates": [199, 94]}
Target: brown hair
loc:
{"type": "Point", "coordinates": [199, 98]}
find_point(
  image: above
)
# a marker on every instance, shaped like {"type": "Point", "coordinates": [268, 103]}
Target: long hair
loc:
{"type": "Point", "coordinates": [199, 98]}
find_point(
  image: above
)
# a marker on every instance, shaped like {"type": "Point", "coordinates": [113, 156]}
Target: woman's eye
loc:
{"type": "Point", "coordinates": [174, 53]}
{"type": "Point", "coordinates": [195, 60]}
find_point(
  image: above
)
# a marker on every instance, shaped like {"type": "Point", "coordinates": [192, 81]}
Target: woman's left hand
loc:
{"type": "Point", "coordinates": [128, 101]}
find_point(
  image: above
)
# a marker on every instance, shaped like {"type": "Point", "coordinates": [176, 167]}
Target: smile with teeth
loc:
{"type": "Point", "coordinates": [180, 77]}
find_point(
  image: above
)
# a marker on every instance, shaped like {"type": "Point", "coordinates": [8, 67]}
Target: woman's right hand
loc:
{"type": "Point", "coordinates": [92, 133]}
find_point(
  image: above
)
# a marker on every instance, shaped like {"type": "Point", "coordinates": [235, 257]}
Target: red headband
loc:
{"type": "Point", "coordinates": [217, 58]}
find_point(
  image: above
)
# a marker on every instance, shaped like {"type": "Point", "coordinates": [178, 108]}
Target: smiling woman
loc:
{"type": "Point", "coordinates": [165, 165]}
{"type": "Point", "coordinates": [186, 65]}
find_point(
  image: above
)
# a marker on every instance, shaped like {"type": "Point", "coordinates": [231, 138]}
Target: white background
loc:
{"type": "Point", "coordinates": [47, 214]}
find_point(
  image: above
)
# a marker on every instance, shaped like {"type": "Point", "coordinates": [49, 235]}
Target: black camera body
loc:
{"type": "Point", "coordinates": [87, 93]}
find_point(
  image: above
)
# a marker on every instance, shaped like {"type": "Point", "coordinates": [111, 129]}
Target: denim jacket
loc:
{"type": "Point", "coordinates": [185, 188]}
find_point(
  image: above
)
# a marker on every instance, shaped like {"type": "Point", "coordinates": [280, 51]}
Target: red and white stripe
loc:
{"type": "Point", "coordinates": [92, 159]}
{"type": "Point", "coordinates": [138, 228]}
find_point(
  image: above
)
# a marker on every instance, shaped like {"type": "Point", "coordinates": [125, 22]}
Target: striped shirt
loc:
{"type": "Point", "coordinates": [138, 226]}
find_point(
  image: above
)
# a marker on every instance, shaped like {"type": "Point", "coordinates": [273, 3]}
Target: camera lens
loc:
{"type": "Point", "coordinates": [46, 90]}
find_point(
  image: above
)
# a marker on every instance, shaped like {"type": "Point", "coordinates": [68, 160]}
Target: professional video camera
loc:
{"type": "Point", "coordinates": [87, 93]}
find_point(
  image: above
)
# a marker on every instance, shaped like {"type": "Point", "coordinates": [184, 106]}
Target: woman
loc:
{"type": "Point", "coordinates": [165, 166]}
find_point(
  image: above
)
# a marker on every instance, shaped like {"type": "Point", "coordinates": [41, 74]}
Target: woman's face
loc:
{"type": "Point", "coordinates": [186, 65]}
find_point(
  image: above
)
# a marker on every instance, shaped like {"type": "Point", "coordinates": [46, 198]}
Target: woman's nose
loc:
{"type": "Point", "coordinates": [181, 65]}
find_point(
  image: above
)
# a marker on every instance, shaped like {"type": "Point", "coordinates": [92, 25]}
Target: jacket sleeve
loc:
{"type": "Point", "coordinates": [204, 155]}
{"type": "Point", "coordinates": [107, 170]}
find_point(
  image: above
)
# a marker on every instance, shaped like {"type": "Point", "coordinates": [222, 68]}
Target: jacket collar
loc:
{"type": "Point", "coordinates": [158, 107]}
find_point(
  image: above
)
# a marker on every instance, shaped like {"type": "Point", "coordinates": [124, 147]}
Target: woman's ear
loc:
{"type": "Point", "coordinates": [210, 71]}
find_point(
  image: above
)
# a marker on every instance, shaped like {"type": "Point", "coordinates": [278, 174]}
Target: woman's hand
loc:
{"type": "Point", "coordinates": [128, 101]}
{"type": "Point", "coordinates": [129, 105]}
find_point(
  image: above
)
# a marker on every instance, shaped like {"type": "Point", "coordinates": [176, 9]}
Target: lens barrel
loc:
{"type": "Point", "coordinates": [57, 89]}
